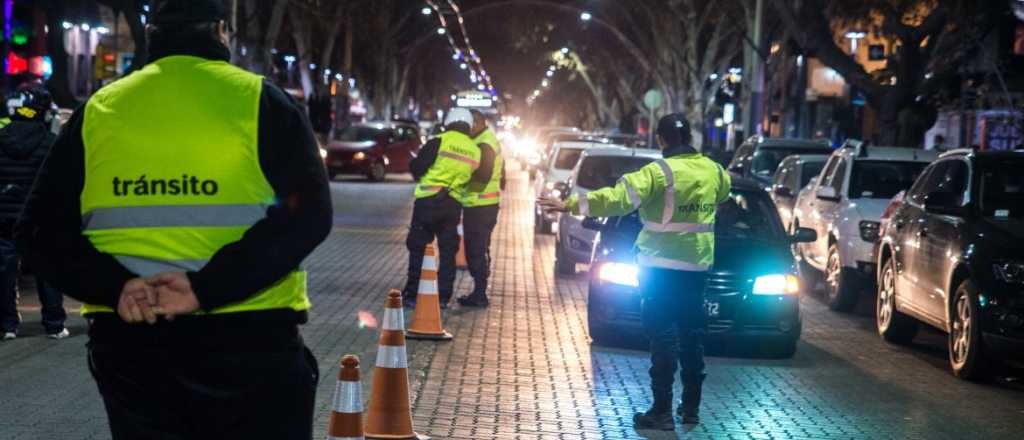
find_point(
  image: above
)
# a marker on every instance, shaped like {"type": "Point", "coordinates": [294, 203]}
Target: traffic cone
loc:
{"type": "Point", "coordinates": [426, 320]}
{"type": "Point", "coordinates": [347, 417]}
{"type": "Point", "coordinates": [460, 257]}
{"type": "Point", "coordinates": [389, 414]}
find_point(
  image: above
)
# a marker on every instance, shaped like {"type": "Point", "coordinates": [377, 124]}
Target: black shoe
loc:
{"type": "Point", "coordinates": [474, 301]}
{"type": "Point", "coordinates": [661, 421]}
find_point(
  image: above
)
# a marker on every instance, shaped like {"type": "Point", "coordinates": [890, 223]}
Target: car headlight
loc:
{"type": "Point", "coordinates": [1010, 272]}
{"type": "Point", "coordinates": [619, 273]}
{"type": "Point", "coordinates": [777, 284]}
{"type": "Point", "coordinates": [359, 156]}
{"type": "Point", "coordinates": [869, 231]}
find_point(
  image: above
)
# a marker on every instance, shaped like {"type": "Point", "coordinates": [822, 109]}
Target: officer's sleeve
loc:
{"type": "Point", "coordinates": [424, 159]}
{"type": "Point", "coordinates": [49, 232]}
{"type": "Point", "coordinates": [294, 226]}
{"type": "Point", "coordinates": [724, 185]}
{"type": "Point", "coordinates": [629, 193]}
{"type": "Point", "coordinates": [483, 172]}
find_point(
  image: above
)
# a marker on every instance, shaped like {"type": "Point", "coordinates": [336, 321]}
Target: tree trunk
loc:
{"type": "Point", "coordinates": [273, 31]}
{"type": "Point", "coordinates": [301, 35]}
{"type": "Point", "coordinates": [58, 83]}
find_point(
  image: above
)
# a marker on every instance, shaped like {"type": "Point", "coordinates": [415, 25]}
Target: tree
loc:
{"type": "Point", "coordinates": [932, 38]}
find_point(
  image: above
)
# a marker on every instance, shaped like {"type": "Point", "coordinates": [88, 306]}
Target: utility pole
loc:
{"type": "Point", "coordinates": [754, 73]}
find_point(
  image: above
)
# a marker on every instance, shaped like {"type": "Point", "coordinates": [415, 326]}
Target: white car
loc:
{"type": "Point", "coordinates": [794, 174]}
{"type": "Point", "coordinates": [564, 156]}
{"type": "Point", "coordinates": [599, 167]}
{"type": "Point", "coordinates": [844, 206]}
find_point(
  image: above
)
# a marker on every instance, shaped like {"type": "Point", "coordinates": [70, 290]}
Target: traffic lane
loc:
{"type": "Point", "coordinates": [360, 203]}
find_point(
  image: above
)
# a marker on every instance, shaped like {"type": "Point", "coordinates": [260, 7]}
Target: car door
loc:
{"type": "Point", "coordinates": [826, 210]}
{"type": "Point", "coordinates": [405, 147]}
{"type": "Point", "coordinates": [907, 221]}
{"type": "Point", "coordinates": [938, 238]}
{"type": "Point", "coordinates": [784, 190]}
{"type": "Point", "coordinates": [805, 214]}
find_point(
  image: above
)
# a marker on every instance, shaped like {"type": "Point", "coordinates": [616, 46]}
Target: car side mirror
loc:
{"type": "Point", "coordinates": [592, 223]}
{"type": "Point", "coordinates": [783, 191]}
{"type": "Point", "coordinates": [944, 203]}
{"type": "Point", "coordinates": [828, 193]}
{"type": "Point", "coordinates": [804, 235]}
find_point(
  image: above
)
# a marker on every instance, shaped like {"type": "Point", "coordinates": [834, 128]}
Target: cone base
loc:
{"type": "Point", "coordinates": [443, 336]}
{"type": "Point", "coordinates": [415, 436]}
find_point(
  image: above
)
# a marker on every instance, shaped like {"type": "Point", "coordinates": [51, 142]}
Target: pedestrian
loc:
{"type": "Point", "coordinates": [939, 143]}
{"type": "Point", "coordinates": [192, 190]}
{"type": "Point", "coordinates": [25, 140]}
{"type": "Point", "coordinates": [480, 216]}
{"type": "Point", "coordinates": [677, 199]}
{"type": "Point", "coordinates": [444, 167]}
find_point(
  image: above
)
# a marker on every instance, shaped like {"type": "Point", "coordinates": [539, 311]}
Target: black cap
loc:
{"type": "Point", "coordinates": [674, 129]}
{"type": "Point", "coordinates": [188, 11]}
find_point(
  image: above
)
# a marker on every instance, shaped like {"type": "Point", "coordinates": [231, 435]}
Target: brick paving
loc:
{"type": "Point", "coordinates": [524, 368]}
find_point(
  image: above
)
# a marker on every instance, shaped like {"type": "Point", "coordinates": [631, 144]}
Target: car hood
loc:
{"type": "Point", "coordinates": [742, 256]}
{"type": "Point", "coordinates": [352, 146]}
{"type": "Point", "coordinates": [869, 209]}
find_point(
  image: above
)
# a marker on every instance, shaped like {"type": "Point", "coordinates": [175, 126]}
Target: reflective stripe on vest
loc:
{"type": "Point", "coordinates": [667, 263]}
{"type": "Point", "coordinates": [666, 224]}
{"type": "Point", "coordinates": [160, 198]}
{"type": "Point", "coordinates": [490, 194]}
{"type": "Point", "coordinates": [460, 158]}
{"type": "Point", "coordinates": [634, 198]}
{"type": "Point", "coordinates": [457, 157]}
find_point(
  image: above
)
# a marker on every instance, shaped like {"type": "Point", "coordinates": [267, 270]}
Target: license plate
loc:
{"type": "Point", "coordinates": [712, 308]}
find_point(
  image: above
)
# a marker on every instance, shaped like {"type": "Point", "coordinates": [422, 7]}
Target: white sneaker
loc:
{"type": "Point", "coordinates": [9, 335]}
{"type": "Point", "coordinates": [63, 334]}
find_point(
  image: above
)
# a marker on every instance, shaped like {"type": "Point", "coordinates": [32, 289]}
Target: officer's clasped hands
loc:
{"type": "Point", "coordinates": [166, 294]}
{"type": "Point", "coordinates": [552, 204]}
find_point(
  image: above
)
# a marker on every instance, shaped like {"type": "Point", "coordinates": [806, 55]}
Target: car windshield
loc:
{"type": "Point", "coordinates": [766, 160]}
{"type": "Point", "coordinates": [354, 133]}
{"type": "Point", "coordinates": [810, 170]}
{"type": "Point", "coordinates": [601, 171]}
{"type": "Point", "coordinates": [567, 158]}
{"type": "Point", "coordinates": [1002, 190]}
{"type": "Point", "coordinates": [873, 179]}
{"type": "Point", "coordinates": [748, 215]}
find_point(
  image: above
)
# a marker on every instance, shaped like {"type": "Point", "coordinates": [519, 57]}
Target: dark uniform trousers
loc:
{"type": "Point", "coordinates": [436, 216]}
{"type": "Point", "coordinates": [674, 317]}
{"type": "Point", "coordinates": [153, 390]}
{"type": "Point", "coordinates": [478, 224]}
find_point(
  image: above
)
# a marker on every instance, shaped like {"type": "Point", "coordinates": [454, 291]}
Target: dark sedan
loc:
{"type": "Point", "coordinates": [752, 291]}
{"type": "Point", "coordinates": [373, 150]}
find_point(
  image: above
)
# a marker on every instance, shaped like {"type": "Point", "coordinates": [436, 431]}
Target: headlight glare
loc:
{"type": "Point", "coordinates": [619, 273]}
{"type": "Point", "coordinates": [359, 156]}
{"type": "Point", "coordinates": [323, 153]}
{"type": "Point", "coordinates": [777, 284]}
{"type": "Point", "coordinates": [1009, 272]}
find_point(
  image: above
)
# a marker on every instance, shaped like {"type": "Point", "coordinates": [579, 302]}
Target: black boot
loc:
{"type": "Point", "coordinates": [475, 299]}
{"type": "Point", "coordinates": [659, 417]}
{"type": "Point", "coordinates": [689, 408]}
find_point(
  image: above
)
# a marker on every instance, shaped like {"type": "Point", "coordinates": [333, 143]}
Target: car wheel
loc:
{"type": "Point", "coordinates": [966, 348]}
{"type": "Point", "coordinates": [893, 325]}
{"type": "Point", "coordinates": [840, 284]}
{"type": "Point", "coordinates": [809, 276]}
{"type": "Point", "coordinates": [563, 264]}
{"type": "Point", "coordinates": [377, 172]}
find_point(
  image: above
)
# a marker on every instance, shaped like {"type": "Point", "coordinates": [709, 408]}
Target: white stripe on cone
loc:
{"type": "Point", "coordinates": [394, 319]}
{"type": "Point", "coordinates": [428, 287]}
{"type": "Point", "coordinates": [389, 356]}
{"type": "Point", "coordinates": [460, 229]}
{"type": "Point", "coordinates": [345, 438]}
{"type": "Point", "coordinates": [429, 263]}
{"type": "Point", "coordinates": [348, 397]}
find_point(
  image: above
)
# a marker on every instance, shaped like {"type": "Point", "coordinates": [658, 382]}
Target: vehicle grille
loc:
{"type": "Point", "coordinates": [727, 289]}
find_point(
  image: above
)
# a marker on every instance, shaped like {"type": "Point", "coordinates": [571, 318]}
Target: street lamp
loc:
{"type": "Point", "coordinates": [462, 66]}
{"type": "Point", "coordinates": [551, 73]}
{"type": "Point", "coordinates": [565, 50]}
{"type": "Point", "coordinates": [585, 16]}
{"type": "Point", "coordinates": [425, 10]}
{"type": "Point", "coordinates": [441, 31]}
{"type": "Point", "coordinates": [66, 25]}
{"type": "Point", "coordinates": [85, 27]}
{"type": "Point", "coordinates": [102, 30]}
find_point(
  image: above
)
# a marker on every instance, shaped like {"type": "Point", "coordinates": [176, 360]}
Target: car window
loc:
{"type": "Point", "coordinates": [354, 133]}
{"type": "Point", "coordinates": [792, 178]}
{"type": "Point", "coordinates": [823, 177]}
{"type": "Point", "coordinates": [924, 184]}
{"type": "Point", "coordinates": [808, 171]}
{"type": "Point", "coordinates": [740, 156]}
{"type": "Point", "coordinates": [954, 180]}
{"type": "Point", "coordinates": [601, 171]}
{"type": "Point", "coordinates": [403, 133]}
{"type": "Point", "coordinates": [767, 159]}
{"type": "Point", "coordinates": [781, 174]}
{"type": "Point", "coordinates": [838, 174]}
{"type": "Point", "coordinates": [566, 158]}
{"type": "Point", "coordinates": [748, 215]}
{"type": "Point", "coordinates": [1001, 186]}
{"type": "Point", "coordinates": [882, 179]}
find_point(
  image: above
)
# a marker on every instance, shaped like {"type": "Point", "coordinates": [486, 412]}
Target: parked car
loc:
{"type": "Point", "coordinates": [752, 292]}
{"type": "Point", "coordinates": [794, 173]}
{"type": "Point", "coordinates": [759, 157]}
{"type": "Point", "coordinates": [564, 156]}
{"type": "Point", "coordinates": [953, 258]}
{"type": "Point", "coordinates": [541, 144]}
{"type": "Point", "coordinates": [373, 149]}
{"type": "Point", "coordinates": [844, 207]}
{"type": "Point", "coordinates": [598, 167]}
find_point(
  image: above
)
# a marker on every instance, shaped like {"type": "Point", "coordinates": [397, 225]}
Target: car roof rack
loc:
{"type": "Point", "coordinates": [957, 152]}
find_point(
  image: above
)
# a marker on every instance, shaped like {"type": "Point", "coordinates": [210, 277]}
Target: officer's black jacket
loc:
{"type": "Point", "coordinates": [49, 233]}
{"type": "Point", "coordinates": [23, 146]}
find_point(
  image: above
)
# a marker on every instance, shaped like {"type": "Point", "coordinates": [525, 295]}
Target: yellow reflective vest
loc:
{"type": "Point", "coordinates": [172, 172]}
{"type": "Point", "coordinates": [491, 193]}
{"type": "Point", "coordinates": [457, 158]}
{"type": "Point", "coordinates": [677, 198]}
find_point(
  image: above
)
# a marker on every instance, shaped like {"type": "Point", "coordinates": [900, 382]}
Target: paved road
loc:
{"type": "Point", "coordinates": [524, 368]}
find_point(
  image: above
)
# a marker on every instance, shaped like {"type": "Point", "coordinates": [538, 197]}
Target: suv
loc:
{"type": "Point", "coordinates": [953, 257]}
{"type": "Point", "coordinates": [794, 173]}
{"type": "Point", "coordinates": [759, 157]}
{"type": "Point", "coordinates": [598, 167]}
{"type": "Point", "coordinates": [564, 156]}
{"type": "Point", "coordinates": [844, 206]}
{"type": "Point", "coordinates": [373, 149]}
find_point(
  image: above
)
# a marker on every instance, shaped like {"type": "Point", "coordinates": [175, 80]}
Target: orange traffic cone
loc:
{"type": "Point", "coordinates": [389, 414]}
{"type": "Point", "coordinates": [460, 257]}
{"type": "Point", "coordinates": [426, 321]}
{"type": "Point", "coordinates": [347, 417]}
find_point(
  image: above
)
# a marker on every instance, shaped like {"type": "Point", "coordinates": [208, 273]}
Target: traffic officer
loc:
{"type": "Point", "coordinates": [480, 216]}
{"type": "Point", "coordinates": [445, 167]}
{"type": "Point", "coordinates": [193, 190]}
{"type": "Point", "coordinates": [677, 199]}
